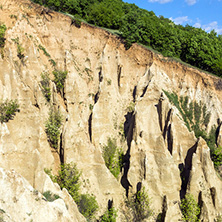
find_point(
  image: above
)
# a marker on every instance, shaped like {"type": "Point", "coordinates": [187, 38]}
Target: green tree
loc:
{"type": "Point", "coordinates": [68, 178]}
{"type": "Point", "coordinates": [88, 205]}
{"type": "Point", "coordinates": [45, 84]}
{"type": "Point", "coordinates": [109, 216]}
{"type": "Point", "coordinates": [113, 157]}
{"type": "Point", "coordinates": [52, 127]}
{"type": "Point", "coordinates": [190, 209]}
{"type": "Point", "coordinates": [139, 206]}
{"type": "Point", "coordinates": [59, 80]}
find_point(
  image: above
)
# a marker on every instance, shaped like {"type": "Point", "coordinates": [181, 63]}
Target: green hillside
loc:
{"type": "Point", "coordinates": [133, 24]}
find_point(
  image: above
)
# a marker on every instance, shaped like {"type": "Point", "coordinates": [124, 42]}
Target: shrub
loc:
{"type": "Point", "coordinates": [59, 80]}
{"type": "Point", "coordinates": [139, 206]}
{"type": "Point", "coordinates": [8, 110]}
{"type": "Point", "coordinates": [20, 49]}
{"type": "Point", "coordinates": [2, 35]}
{"type": "Point", "coordinates": [45, 83]}
{"type": "Point", "coordinates": [109, 216]}
{"type": "Point", "coordinates": [218, 218]}
{"type": "Point", "coordinates": [68, 178]}
{"type": "Point", "coordinates": [216, 155]}
{"type": "Point", "coordinates": [87, 205]}
{"type": "Point", "coordinates": [190, 209]}
{"type": "Point", "coordinates": [196, 117]}
{"type": "Point", "coordinates": [50, 197]}
{"type": "Point", "coordinates": [113, 157]}
{"type": "Point", "coordinates": [52, 127]}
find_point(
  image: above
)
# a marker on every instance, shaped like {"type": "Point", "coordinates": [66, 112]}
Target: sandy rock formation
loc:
{"type": "Point", "coordinates": [109, 92]}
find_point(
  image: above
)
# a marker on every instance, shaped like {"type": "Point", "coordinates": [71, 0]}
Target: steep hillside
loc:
{"type": "Point", "coordinates": [109, 92]}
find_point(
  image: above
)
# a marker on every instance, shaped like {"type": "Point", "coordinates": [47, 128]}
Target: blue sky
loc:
{"type": "Point", "coordinates": [205, 14]}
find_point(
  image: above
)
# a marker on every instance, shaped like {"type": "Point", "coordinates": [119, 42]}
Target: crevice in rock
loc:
{"type": "Point", "coordinates": [170, 139]}
{"type": "Point", "coordinates": [213, 195]}
{"type": "Point", "coordinates": [162, 216]}
{"type": "Point", "coordinates": [159, 110]}
{"type": "Point", "coordinates": [90, 127]}
{"type": "Point", "coordinates": [96, 98]}
{"type": "Point", "coordinates": [200, 203]}
{"type": "Point", "coordinates": [185, 169]}
{"type": "Point", "coordinates": [119, 71]}
{"type": "Point", "coordinates": [61, 150]}
{"type": "Point", "coordinates": [218, 131]}
{"type": "Point", "coordinates": [144, 91]}
{"type": "Point", "coordinates": [100, 75]}
{"type": "Point", "coordinates": [110, 204]}
{"type": "Point", "coordinates": [129, 126]}
{"type": "Point", "coordinates": [124, 179]}
{"type": "Point", "coordinates": [144, 167]}
{"type": "Point", "coordinates": [166, 122]}
{"type": "Point", "coordinates": [134, 94]}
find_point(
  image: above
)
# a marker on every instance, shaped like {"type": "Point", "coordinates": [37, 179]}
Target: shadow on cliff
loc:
{"type": "Point", "coordinates": [129, 125]}
{"type": "Point", "coordinates": [185, 169]}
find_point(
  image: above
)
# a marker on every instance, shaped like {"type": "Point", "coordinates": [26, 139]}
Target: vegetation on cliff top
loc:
{"type": "Point", "coordinates": [133, 24]}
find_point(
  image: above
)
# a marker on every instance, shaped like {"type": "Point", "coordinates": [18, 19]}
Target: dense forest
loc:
{"type": "Point", "coordinates": [133, 24]}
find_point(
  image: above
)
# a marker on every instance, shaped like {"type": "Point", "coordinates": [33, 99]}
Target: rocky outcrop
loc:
{"type": "Point", "coordinates": [108, 92]}
{"type": "Point", "coordinates": [20, 201]}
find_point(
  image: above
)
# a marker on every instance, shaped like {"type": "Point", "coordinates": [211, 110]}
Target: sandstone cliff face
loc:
{"type": "Point", "coordinates": [104, 81]}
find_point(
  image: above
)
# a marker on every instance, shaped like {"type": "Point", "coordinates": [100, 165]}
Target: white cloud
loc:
{"type": "Point", "coordinates": [191, 2]}
{"type": "Point", "coordinates": [197, 25]}
{"type": "Point", "coordinates": [211, 26]}
{"type": "Point", "coordinates": [160, 1]}
{"type": "Point", "coordinates": [180, 20]}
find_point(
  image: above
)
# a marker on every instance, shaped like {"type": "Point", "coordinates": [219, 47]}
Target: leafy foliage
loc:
{"type": "Point", "coordinates": [88, 205]}
{"type": "Point", "coordinates": [68, 178]}
{"type": "Point", "coordinates": [50, 197]}
{"type": "Point", "coordinates": [189, 44]}
{"type": "Point", "coordinates": [197, 118]}
{"type": "Point", "coordinates": [8, 110]}
{"type": "Point", "coordinates": [2, 35]}
{"type": "Point", "coordinates": [45, 83]}
{"type": "Point", "coordinates": [109, 216]}
{"type": "Point", "coordinates": [52, 127]}
{"type": "Point", "coordinates": [59, 80]}
{"type": "Point", "coordinates": [216, 155]}
{"type": "Point", "coordinates": [113, 157]}
{"type": "Point", "coordinates": [190, 209]}
{"type": "Point", "coordinates": [139, 206]}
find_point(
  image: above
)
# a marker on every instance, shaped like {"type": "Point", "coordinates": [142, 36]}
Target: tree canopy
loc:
{"type": "Point", "coordinates": [191, 45]}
